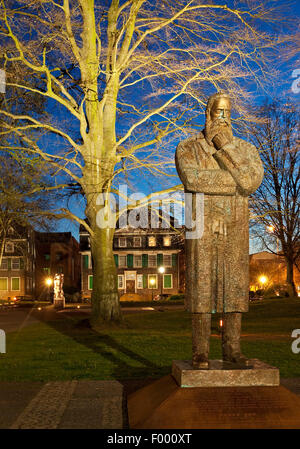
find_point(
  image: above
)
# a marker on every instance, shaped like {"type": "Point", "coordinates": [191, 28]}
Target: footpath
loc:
{"type": "Point", "coordinates": [76, 404]}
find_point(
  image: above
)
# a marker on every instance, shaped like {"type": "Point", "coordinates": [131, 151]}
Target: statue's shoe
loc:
{"type": "Point", "coordinates": [201, 363]}
{"type": "Point", "coordinates": [239, 358]}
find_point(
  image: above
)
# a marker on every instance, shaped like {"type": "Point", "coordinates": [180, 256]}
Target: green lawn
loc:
{"type": "Point", "coordinates": [144, 347]}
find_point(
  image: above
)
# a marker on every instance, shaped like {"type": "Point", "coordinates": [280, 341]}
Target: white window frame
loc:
{"type": "Point", "coordinates": [165, 264]}
{"type": "Point", "coordinates": [11, 283]}
{"type": "Point", "coordinates": [154, 275]}
{"type": "Point", "coordinates": [155, 257]}
{"type": "Point", "coordinates": [12, 261]}
{"type": "Point", "coordinates": [139, 281]}
{"type": "Point", "coordinates": [140, 242]}
{"type": "Point", "coordinates": [6, 260]}
{"type": "Point", "coordinates": [135, 264]}
{"type": "Point", "coordinates": [168, 274]}
{"type": "Point", "coordinates": [119, 242]}
{"type": "Point", "coordinates": [119, 261]}
{"type": "Point", "coordinates": [12, 247]}
{"type": "Point", "coordinates": [149, 240]}
{"type": "Point", "coordinates": [121, 277]}
{"type": "Point", "coordinates": [90, 276]}
{"type": "Point", "coordinates": [3, 277]}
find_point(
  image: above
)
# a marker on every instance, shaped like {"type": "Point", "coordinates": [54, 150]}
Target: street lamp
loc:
{"type": "Point", "coordinates": [161, 270]}
{"type": "Point", "coordinates": [152, 282]}
{"type": "Point", "coordinates": [263, 280]}
{"type": "Point", "coordinates": [49, 282]}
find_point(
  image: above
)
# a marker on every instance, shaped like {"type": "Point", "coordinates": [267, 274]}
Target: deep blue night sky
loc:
{"type": "Point", "coordinates": [284, 88]}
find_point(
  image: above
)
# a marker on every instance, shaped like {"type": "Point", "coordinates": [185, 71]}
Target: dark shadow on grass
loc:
{"type": "Point", "coordinates": [105, 345]}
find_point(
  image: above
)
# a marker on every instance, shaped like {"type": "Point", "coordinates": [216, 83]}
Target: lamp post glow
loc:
{"type": "Point", "coordinates": [263, 280]}
{"type": "Point", "coordinates": [161, 270]}
{"type": "Point", "coordinates": [152, 282]}
{"type": "Point", "coordinates": [49, 282]}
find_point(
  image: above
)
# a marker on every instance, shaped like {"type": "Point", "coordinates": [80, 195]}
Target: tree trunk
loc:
{"type": "Point", "coordinates": [105, 297]}
{"type": "Point", "coordinates": [290, 278]}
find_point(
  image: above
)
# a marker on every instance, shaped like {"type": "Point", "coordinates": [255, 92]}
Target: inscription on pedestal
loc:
{"type": "Point", "coordinates": [222, 374]}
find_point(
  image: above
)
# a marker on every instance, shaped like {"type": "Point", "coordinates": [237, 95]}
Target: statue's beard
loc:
{"type": "Point", "coordinates": [216, 126]}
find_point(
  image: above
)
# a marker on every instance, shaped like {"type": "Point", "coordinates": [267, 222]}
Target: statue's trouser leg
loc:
{"type": "Point", "coordinates": [201, 325]}
{"type": "Point", "coordinates": [231, 335]}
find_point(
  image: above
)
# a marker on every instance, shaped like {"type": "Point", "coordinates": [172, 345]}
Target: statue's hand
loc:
{"type": "Point", "coordinates": [220, 140]}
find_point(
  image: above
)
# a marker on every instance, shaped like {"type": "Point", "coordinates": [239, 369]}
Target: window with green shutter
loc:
{"type": "Point", "coordinates": [129, 260]}
{"type": "Point", "coordinates": [174, 260]}
{"type": "Point", "coordinates": [145, 261]}
{"type": "Point", "coordinates": [15, 283]}
{"type": "Point", "coordinates": [3, 284]}
{"type": "Point", "coordinates": [160, 260]}
{"type": "Point", "coordinates": [85, 261]}
{"type": "Point", "coordinates": [9, 264]}
{"type": "Point", "coordinates": [116, 257]}
{"type": "Point", "coordinates": [167, 281]}
{"type": "Point", "coordinates": [145, 281]}
{"type": "Point", "coordinates": [91, 282]}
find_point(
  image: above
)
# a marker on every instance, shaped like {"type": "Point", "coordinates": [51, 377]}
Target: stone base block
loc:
{"type": "Point", "coordinates": [164, 405]}
{"type": "Point", "coordinates": [225, 374]}
{"type": "Point", "coordinates": [59, 303]}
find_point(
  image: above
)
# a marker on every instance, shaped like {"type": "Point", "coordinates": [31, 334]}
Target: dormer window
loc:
{"type": "Point", "coordinates": [167, 240]}
{"type": "Point", "coordinates": [137, 242]}
{"type": "Point", "coordinates": [152, 241]}
{"type": "Point", "coordinates": [9, 247]}
{"type": "Point", "coordinates": [122, 242]}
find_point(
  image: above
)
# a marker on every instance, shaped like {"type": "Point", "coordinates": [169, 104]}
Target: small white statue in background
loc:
{"type": "Point", "coordinates": [59, 299]}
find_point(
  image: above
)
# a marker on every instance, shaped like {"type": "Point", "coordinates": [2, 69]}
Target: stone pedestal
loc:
{"type": "Point", "coordinates": [59, 303]}
{"type": "Point", "coordinates": [225, 374]}
{"type": "Point", "coordinates": [165, 405]}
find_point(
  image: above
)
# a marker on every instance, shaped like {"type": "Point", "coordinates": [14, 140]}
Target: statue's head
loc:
{"type": "Point", "coordinates": [218, 111]}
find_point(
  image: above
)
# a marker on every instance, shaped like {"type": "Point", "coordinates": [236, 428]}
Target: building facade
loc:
{"type": "Point", "coordinates": [149, 262]}
{"type": "Point", "coordinates": [56, 253]}
{"type": "Point", "coordinates": [17, 266]}
{"type": "Point", "coordinates": [268, 270]}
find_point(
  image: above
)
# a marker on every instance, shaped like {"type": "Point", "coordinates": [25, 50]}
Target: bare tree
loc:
{"type": "Point", "coordinates": [120, 77]}
{"type": "Point", "coordinates": [276, 204]}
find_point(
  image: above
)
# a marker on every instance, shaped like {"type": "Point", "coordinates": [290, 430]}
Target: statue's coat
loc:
{"type": "Point", "coordinates": [217, 265]}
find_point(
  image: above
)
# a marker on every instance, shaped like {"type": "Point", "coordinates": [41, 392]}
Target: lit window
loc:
{"type": "Point", "coordinates": [122, 242]}
{"type": "Point", "coordinates": [137, 242]}
{"type": "Point", "coordinates": [9, 247]}
{"type": "Point", "coordinates": [152, 241]}
{"type": "Point", "coordinates": [3, 284]}
{"type": "Point", "coordinates": [122, 261]}
{"type": "Point", "coordinates": [15, 264]}
{"type": "Point", "coordinates": [167, 240]}
{"type": "Point", "coordinates": [15, 284]}
{"type": "Point", "coordinates": [120, 281]}
{"type": "Point", "coordinates": [152, 260]}
{"type": "Point", "coordinates": [152, 281]}
{"type": "Point", "coordinates": [167, 260]}
{"type": "Point", "coordinates": [138, 261]}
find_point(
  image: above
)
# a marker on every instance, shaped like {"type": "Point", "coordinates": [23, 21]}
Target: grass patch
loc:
{"type": "Point", "coordinates": [65, 349]}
